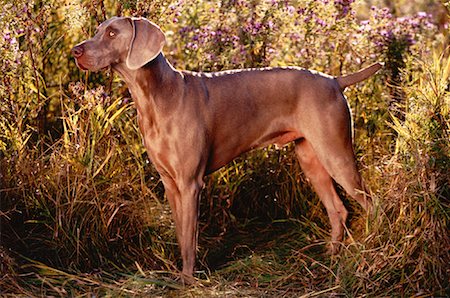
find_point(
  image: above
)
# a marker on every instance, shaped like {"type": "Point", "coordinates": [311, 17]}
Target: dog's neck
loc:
{"type": "Point", "coordinates": [148, 80]}
{"type": "Point", "coordinates": [148, 84]}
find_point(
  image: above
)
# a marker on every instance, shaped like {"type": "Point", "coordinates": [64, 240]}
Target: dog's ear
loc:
{"type": "Point", "coordinates": [146, 43]}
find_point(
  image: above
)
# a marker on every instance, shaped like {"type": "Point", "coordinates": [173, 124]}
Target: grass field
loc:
{"type": "Point", "coordinates": [82, 210]}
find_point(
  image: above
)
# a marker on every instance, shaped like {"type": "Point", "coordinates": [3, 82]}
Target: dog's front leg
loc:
{"type": "Point", "coordinates": [183, 197]}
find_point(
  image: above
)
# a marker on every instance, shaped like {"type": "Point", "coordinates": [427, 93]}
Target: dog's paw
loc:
{"type": "Point", "coordinates": [334, 248]}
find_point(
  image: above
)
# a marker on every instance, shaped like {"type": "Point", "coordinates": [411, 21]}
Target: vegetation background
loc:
{"type": "Point", "coordinates": [82, 210]}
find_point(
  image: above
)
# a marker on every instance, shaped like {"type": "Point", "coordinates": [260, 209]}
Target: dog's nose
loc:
{"type": "Point", "coordinates": [78, 51]}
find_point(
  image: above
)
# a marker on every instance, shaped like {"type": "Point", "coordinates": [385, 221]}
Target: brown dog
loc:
{"type": "Point", "coordinates": [194, 123]}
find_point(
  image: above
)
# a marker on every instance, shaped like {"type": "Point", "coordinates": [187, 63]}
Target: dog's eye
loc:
{"type": "Point", "coordinates": [112, 34]}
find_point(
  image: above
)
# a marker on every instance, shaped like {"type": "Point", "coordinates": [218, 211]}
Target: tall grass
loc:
{"type": "Point", "coordinates": [406, 249]}
{"type": "Point", "coordinates": [82, 210]}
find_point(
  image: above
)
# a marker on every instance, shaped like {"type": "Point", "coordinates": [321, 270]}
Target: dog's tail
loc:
{"type": "Point", "coordinates": [348, 80]}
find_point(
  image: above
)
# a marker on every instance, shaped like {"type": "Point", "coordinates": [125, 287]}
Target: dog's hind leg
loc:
{"type": "Point", "coordinates": [324, 187]}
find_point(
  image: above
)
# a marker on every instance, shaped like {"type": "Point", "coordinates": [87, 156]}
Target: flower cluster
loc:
{"type": "Point", "coordinates": [318, 34]}
{"type": "Point", "coordinates": [12, 31]}
{"type": "Point", "coordinates": [88, 98]}
{"type": "Point", "coordinates": [208, 35]}
{"type": "Point", "coordinates": [384, 29]}
{"type": "Point", "coordinates": [175, 10]}
{"type": "Point", "coordinates": [306, 33]}
{"type": "Point", "coordinates": [343, 7]}
{"type": "Point", "coordinates": [247, 45]}
{"type": "Point", "coordinates": [75, 15]}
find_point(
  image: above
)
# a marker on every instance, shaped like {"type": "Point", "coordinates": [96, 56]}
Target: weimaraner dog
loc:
{"type": "Point", "coordinates": [194, 123]}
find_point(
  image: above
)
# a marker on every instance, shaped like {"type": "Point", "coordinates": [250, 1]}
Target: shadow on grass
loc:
{"type": "Point", "coordinates": [254, 257]}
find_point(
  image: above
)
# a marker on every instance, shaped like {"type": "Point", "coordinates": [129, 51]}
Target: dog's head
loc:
{"type": "Point", "coordinates": [133, 41]}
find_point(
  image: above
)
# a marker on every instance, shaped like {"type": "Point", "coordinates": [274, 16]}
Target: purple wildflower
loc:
{"type": "Point", "coordinates": [192, 46]}
{"type": "Point", "coordinates": [290, 9]}
{"type": "Point", "coordinates": [422, 14]}
{"type": "Point", "coordinates": [321, 22]}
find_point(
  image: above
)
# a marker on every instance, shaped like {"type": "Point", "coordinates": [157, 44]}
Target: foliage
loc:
{"type": "Point", "coordinates": [82, 210]}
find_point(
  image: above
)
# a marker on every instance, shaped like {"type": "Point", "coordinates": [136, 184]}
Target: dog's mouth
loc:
{"type": "Point", "coordinates": [80, 65]}
{"type": "Point", "coordinates": [87, 68]}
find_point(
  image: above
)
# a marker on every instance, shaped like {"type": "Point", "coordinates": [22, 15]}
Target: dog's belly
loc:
{"type": "Point", "coordinates": [219, 157]}
{"type": "Point", "coordinates": [280, 138]}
